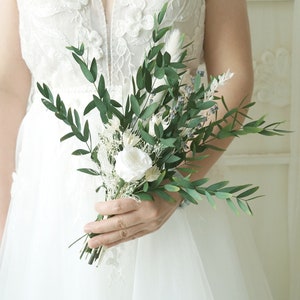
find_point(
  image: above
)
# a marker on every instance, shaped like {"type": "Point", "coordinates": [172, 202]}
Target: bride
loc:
{"type": "Point", "coordinates": [170, 252]}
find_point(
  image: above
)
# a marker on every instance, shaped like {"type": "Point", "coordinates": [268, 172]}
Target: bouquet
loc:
{"type": "Point", "coordinates": [153, 144]}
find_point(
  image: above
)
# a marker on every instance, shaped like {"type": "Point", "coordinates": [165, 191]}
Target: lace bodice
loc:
{"type": "Point", "coordinates": [48, 26]}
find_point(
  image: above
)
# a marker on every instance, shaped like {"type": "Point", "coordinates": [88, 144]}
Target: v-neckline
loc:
{"type": "Point", "coordinates": [108, 10]}
{"type": "Point", "coordinates": [108, 28]}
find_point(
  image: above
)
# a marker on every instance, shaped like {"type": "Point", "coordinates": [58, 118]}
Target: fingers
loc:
{"type": "Point", "coordinates": [117, 222]}
{"type": "Point", "coordinates": [129, 220]}
{"type": "Point", "coordinates": [114, 238]}
{"type": "Point", "coordinates": [117, 206]}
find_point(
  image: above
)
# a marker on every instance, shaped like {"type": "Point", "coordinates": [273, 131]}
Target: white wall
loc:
{"type": "Point", "coordinates": [273, 163]}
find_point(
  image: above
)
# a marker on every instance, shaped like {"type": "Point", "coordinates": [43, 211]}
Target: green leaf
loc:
{"type": "Point", "coordinates": [234, 189]}
{"type": "Point", "coordinates": [187, 196]}
{"type": "Point", "coordinates": [148, 81]}
{"type": "Point", "coordinates": [158, 181]}
{"type": "Point", "coordinates": [46, 92]}
{"type": "Point", "coordinates": [140, 79]}
{"type": "Point", "coordinates": [146, 187]}
{"type": "Point", "coordinates": [115, 103]}
{"type": "Point", "coordinates": [83, 66]}
{"type": "Point", "coordinates": [67, 136]}
{"type": "Point", "coordinates": [135, 105]}
{"type": "Point", "coordinates": [94, 69]}
{"type": "Point", "coordinates": [194, 194]}
{"type": "Point", "coordinates": [101, 86]}
{"type": "Point", "coordinates": [168, 142]}
{"type": "Point", "coordinates": [172, 159]}
{"type": "Point", "coordinates": [217, 186]}
{"type": "Point", "coordinates": [210, 199]}
{"type": "Point", "coordinates": [171, 188]}
{"type": "Point", "coordinates": [249, 129]}
{"type": "Point", "coordinates": [147, 137]}
{"type": "Point", "coordinates": [77, 119]}
{"type": "Point", "coordinates": [248, 192]}
{"type": "Point", "coordinates": [163, 195]}
{"type": "Point", "coordinates": [144, 196]}
{"type": "Point", "coordinates": [100, 105]}
{"type": "Point", "coordinates": [167, 58]}
{"type": "Point", "coordinates": [159, 73]}
{"type": "Point", "coordinates": [177, 65]}
{"type": "Point", "coordinates": [86, 130]}
{"type": "Point", "coordinates": [78, 51]}
{"type": "Point", "coordinates": [162, 13]}
{"type": "Point", "coordinates": [172, 76]}
{"type": "Point", "coordinates": [199, 182]}
{"type": "Point", "coordinates": [42, 90]}
{"type": "Point", "coordinates": [161, 33]}
{"type": "Point", "coordinates": [89, 171]}
{"type": "Point", "coordinates": [149, 111]}
{"type": "Point", "coordinates": [49, 105]}
{"type": "Point", "coordinates": [81, 152]}
{"type": "Point", "coordinates": [197, 82]}
{"type": "Point", "coordinates": [182, 182]}
{"type": "Point", "coordinates": [244, 207]}
{"type": "Point", "coordinates": [160, 88]}
{"type": "Point", "coordinates": [232, 206]}
{"type": "Point", "coordinates": [222, 195]}
{"type": "Point", "coordinates": [89, 107]}
{"type": "Point", "coordinates": [194, 122]}
{"type": "Point", "coordinates": [154, 50]}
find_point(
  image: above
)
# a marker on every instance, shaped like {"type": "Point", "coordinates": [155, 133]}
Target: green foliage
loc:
{"type": "Point", "coordinates": [189, 129]}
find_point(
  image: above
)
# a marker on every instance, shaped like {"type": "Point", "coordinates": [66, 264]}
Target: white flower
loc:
{"type": "Point", "coordinates": [219, 81]}
{"type": "Point", "coordinates": [129, 138]}
{"type": "Point", "coordinates": [152, 174]}
{"type": "Point", "coordinates": [115, 123]}
{"type": "Point", "coordinates": [156, 120]}
{"type": "Point", "coordinates": [132, 163]}
{"type": "Point", "coordinates": [224, 77]}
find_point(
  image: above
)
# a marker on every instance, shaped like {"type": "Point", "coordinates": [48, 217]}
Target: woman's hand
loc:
{"type": "Point", "coordinates": [131, 219]}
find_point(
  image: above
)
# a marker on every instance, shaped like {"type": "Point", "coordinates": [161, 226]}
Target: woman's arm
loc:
{"type": "Point", "coordinates": [14, 89]}
{"type": "Point", "coordinates": [227, 46]}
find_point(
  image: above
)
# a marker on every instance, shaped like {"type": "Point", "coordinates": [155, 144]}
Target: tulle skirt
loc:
{"type": "Point", "coordinates": [200, 253]}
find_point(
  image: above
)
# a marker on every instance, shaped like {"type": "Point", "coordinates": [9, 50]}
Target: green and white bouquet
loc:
{"type": "Point", "coordinates": [153, 144]}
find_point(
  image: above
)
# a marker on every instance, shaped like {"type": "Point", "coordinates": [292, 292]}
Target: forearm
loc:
{"type": "Point", "coordinates": [11, 115]}
{"type": "Point", "coordinates": [227, 45]}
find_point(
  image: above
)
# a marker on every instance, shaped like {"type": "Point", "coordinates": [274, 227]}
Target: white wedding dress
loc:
{"type": "Point", "coordinates": [196, 255]}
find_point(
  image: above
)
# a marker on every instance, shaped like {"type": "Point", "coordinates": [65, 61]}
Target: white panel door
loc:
{"type": "Point", "coordinates": [273, 163]}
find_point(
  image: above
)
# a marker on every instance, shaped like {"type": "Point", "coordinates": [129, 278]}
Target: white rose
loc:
{"type": "Point", "coordinates": [132, 163]}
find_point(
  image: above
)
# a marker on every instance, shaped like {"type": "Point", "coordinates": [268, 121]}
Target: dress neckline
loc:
{"type": "Point", "coordinates": [108, 9]}
{"type": "Point", "coordinates": [108, 15]}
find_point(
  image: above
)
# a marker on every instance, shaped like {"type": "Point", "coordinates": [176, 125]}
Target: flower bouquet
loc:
{"type": "Point", "coordinates": [152, 144]}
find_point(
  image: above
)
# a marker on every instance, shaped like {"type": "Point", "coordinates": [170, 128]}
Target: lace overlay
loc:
{"type": "Point", "coordinates": [48, 26]}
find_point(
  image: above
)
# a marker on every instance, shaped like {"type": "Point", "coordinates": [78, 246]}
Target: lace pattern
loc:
{"type": "Point", "coordinates": [48, 26]}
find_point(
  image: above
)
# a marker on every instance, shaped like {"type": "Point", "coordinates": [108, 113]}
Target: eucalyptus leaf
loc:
{"type": "Point", "coordinates": [80, 152]}
{"type": "Point", "coordinates": [89, 171]}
